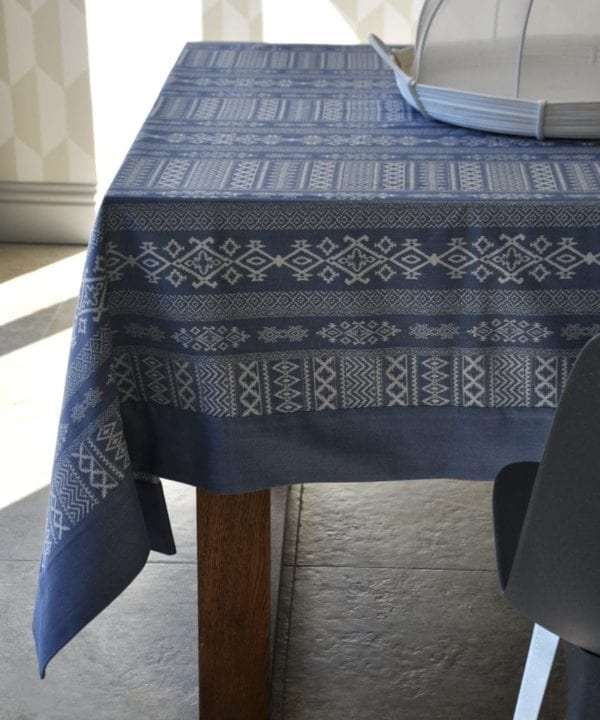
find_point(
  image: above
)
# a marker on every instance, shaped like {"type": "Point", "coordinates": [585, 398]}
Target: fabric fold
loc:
{"type": "Point", "coordinates": [83, 578]}
{"type": "Point", "coordinates": [103, 519]}
{"type": "Point", "coordinates": [156, 516]}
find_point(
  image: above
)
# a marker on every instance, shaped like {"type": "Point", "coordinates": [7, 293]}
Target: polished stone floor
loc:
{"type": "Point", "coordinates": [388, 604]}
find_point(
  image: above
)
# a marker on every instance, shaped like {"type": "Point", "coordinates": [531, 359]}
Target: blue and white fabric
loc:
{"type": "Point", "coordinates": [295, 277]}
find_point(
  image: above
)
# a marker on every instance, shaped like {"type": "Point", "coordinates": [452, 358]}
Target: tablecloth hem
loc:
{"type": "Point", "coordinates": [82, 579]}
{"type": "Point", "coordinates": [237, 455]}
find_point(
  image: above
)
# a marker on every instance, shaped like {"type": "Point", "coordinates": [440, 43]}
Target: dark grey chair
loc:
{"type": "Point", "coordinates": [547, 528]}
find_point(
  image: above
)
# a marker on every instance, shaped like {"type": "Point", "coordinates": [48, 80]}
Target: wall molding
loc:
{"type": "Point", "coordinates": [45, 212]}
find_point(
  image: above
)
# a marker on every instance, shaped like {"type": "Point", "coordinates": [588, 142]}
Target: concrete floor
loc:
{"type": "Point", "coordinates": [388, 605]}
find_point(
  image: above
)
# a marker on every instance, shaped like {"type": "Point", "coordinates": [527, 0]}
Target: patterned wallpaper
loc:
{"type": "Point", "coordinates": [392, 20]}
{"type": "Point", "coordinates": [232, 19]}
{"type": "Point", "coordinates": [45, 107]}
{"type": "Point", "coordinates": [242, 19]}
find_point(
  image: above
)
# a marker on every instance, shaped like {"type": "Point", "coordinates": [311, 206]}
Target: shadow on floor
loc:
{"type": "Point", "coordinates": [36, 326]}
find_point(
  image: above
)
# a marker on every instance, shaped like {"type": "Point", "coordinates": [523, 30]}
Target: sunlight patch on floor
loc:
{"type": "Point", "coordinates": [41, 288]}
{"type": "Point", "coordinates": [29, 412]}
{"type": "Point", "coordinates": [33, 373]}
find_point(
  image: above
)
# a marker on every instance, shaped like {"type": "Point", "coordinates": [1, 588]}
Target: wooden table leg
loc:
{"type": "Point", "coordinates": [234, 604]}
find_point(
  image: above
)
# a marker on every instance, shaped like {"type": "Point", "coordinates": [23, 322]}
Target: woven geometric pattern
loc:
{"type": "Point", "coordinates": [290, 382]}
{"type": "Point", "coordinates": [508, 260]}
{"type": "Point", "coordinates": [254, 132]}
{"type": "Point", "coordinates": [45, 105]}
{"type": "Point", "coordinates": [284, 305]}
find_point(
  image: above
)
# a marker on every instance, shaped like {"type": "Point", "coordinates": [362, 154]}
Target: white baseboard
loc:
{"type": "Point", "coordinates": [46, 212]}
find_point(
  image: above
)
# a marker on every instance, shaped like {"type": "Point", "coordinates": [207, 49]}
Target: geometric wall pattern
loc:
{"type": "Point", "coordinates": [232, 20]}
{"type": "Point", "coordinates": [393, 20]}
{"type": "Point", "coordinates": [46, 132]}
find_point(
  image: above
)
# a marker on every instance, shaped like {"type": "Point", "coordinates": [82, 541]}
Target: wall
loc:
{"type": "Point", "coordinates": [310, 20]}
{"type": "Point", "coordinates": [47, 170]}
{"type": "Point", "coordinates": [392, 20]}
{"type": "Point", "coordinates": [232, 19]}
{"type": "Point", "coordinates": [133, 45]}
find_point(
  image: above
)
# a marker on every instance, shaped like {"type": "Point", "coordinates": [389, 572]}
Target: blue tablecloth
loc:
{"type": "Point", "coordinates": [294, 277]}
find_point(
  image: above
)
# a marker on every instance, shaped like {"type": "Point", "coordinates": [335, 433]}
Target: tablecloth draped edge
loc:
{"type": "Point", "coordinates": [59, 617]}
{"type": "Point", "coordinates": [239, 455]}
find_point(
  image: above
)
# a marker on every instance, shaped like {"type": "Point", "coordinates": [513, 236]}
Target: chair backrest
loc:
{"type": "Point", "coordinates": [555, 577]}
